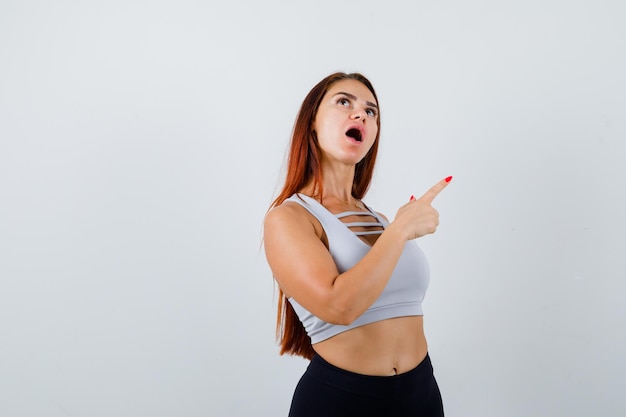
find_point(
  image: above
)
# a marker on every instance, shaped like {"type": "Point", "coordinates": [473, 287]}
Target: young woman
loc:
{"type": "Point", "coordinates": [351, 282]}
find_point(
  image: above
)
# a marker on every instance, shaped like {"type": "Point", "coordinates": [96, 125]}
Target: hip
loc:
{"type": "Point", "coordinates": [327, 390]}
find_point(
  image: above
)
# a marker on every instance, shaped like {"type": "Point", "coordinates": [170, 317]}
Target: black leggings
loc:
{"type": "Point", "coordinates": [327, 391]}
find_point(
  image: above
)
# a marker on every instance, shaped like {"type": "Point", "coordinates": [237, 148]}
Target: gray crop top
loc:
{"type": "Point", "coordinates": [405, 289]}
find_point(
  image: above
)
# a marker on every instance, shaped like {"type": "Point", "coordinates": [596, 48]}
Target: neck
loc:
{"type": "Point", "coordinates": [338, 181]}
{"type": "Point", "coordinates": [337, 187]}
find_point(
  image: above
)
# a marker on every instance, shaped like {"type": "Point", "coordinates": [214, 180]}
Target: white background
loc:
{"type": "Point", "coordinates": [141, 143]}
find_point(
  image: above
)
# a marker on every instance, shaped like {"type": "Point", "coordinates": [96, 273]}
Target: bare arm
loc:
{"type": "Point", "coordinates": [305, 270]}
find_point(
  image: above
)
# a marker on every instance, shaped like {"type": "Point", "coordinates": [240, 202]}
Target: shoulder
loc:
{"type": "Point", "coordinates": [290, 229]}
{"type": "Point", "coordinates": [288, 210]}
{"type": "Point", "coordinates": [290, 215]}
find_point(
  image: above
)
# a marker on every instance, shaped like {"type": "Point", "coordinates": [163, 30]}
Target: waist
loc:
{"type": "Point", "coordinates": [384, 348]}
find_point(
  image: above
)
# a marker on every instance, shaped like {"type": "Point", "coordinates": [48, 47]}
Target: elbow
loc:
{"type": "Point", "coordinates": [338, 308]}
{"type": "Point", "coordinates": [346, 320]}
{"type": "Point", "coordinates": [341, 316]}
{"type": "Point", "coordinates": [339, 321]}
{"type": "Point", "coordinates": [342, 308]}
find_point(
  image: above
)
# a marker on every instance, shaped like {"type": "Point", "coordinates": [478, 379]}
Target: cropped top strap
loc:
{"type": "Point", "coordinates": [354, 213]}
{"type": "Point", "coordinates": [368, 213]}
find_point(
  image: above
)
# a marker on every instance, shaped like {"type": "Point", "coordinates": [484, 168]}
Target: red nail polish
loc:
{"type": "Point", "coordinates": [449, 179]}
{"type": "Point", "coordinates": [412, 198]}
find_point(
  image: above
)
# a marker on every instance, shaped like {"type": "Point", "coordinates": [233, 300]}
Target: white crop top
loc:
{"type": "Point", "coordinates": [405, 289]}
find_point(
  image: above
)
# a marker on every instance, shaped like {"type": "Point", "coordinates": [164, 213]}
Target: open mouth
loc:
{"type": "Point", "coordinates": [354, 134]}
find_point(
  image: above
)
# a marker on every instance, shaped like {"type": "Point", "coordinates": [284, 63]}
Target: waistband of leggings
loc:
{"type": "Point", "coordinates": [377, 386]}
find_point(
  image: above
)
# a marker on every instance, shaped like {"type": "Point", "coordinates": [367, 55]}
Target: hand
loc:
{"type": "Point", "coordinates": [418, 217]}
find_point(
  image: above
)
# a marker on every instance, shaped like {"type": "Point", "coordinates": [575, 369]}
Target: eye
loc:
{"type": "Point", "coordinates": [343, 102]}
{"type": "Point", "coordinates": [371, 112]}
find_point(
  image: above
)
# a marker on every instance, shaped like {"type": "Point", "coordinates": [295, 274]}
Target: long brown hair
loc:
{"type": "Point", "coordinates": [304, 167]}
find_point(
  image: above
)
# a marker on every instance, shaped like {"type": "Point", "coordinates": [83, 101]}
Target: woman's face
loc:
{"type": "Point", "coordinates": [346, 122]}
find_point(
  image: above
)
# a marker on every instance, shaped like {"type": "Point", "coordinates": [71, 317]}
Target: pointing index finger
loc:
{"type": "Point", "coordinates": [430, 195]}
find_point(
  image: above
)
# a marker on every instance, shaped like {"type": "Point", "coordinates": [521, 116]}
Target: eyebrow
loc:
{"type": "Point", "coordinates": [353, 97]}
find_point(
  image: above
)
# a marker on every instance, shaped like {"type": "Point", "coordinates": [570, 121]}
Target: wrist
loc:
{"type": "Point", "coordinates": [398, 232]}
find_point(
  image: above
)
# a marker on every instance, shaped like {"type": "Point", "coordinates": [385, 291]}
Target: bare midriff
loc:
{"type": "Point", "coordinates": [384, 348]}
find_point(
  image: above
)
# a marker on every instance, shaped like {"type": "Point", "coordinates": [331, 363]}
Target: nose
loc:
{"type": "Point", "coordinates": [358, 114]}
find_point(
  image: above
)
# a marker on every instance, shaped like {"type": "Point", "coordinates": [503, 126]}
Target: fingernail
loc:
{"type": "Point", "coordinates": [449, 179]}
{"type": "Point", "coordinates": [412, 198]}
